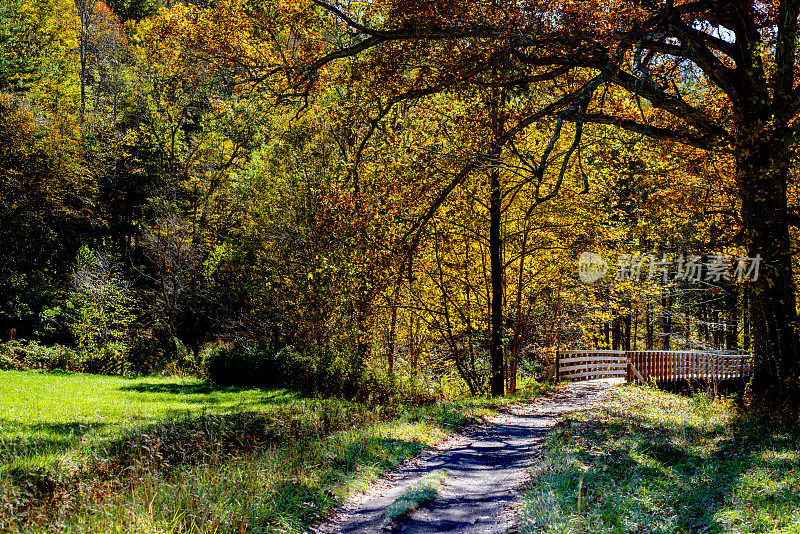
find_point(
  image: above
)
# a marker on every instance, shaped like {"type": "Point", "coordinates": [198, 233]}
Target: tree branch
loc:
{"type": "Point", "coordinates": [656, 132]}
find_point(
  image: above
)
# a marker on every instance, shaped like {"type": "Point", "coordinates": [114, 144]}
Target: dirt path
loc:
{"type": "Point", "coordinates": [484, 467]}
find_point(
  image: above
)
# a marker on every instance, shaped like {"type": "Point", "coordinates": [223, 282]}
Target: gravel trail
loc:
{"type": "Point", "coordinates": [485, 468]}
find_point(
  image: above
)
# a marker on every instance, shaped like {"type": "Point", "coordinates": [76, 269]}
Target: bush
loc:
{"type": "Point", "coordinates": [31, 356]}
{"type": "Point", "coordinates": [8, 362]}
{"type": "Point", "coordinates": [146, 355]}
{"type": "Point", "coordinates": [241, 364]}
{"type": "Point", "coordinates": [331, 374]}
{"type": "Point", "coordinates": [101, 316]}
{"type": "Point", "coordinates": [110, 359]}
{"type": "Point", "coordinates": [23, 356]}
{"type": "Point", "coordinates": [236, 364]}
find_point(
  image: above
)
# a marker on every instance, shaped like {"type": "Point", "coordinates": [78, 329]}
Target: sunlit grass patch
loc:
{"type": "Point", "coordinates": [48, 418]}
{"type": "Point", "coordinates": [416, 495]}
{"type": "Point", "coordinates": [650, 461]}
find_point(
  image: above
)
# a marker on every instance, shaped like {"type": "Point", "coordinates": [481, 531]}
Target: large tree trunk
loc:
{"type": "Point", "coordinates": [496, 260]}
{"type": "Point", "coordinates": [762, 171]}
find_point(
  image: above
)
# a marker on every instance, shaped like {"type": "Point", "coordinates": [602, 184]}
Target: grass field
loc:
{"type": "Point", "coordinates": [650, 461]}
{"type": "Point", "coordinates": [45, 417]}
{"type": "Point", "coordinates": [89, 453]}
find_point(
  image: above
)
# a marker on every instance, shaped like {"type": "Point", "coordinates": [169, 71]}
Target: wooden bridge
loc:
{"type": "Point", "coordinates": [652, 365]}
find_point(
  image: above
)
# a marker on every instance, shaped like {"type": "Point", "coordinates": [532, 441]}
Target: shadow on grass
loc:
{"type": "Point", "coordinates": [689, 388]}
{"type": "Point", "coordinates": [640, 474]}
{"type": "Point", "coordinates": [375, 452]}
{"type": "Point", "coordinates": [29, 439]}
{"type": "Point", "coordinates": [206, 393]}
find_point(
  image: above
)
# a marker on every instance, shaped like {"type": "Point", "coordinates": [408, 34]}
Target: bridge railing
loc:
{"type": "Point", "coordinates": [649, 365]}
{"type": "Point", "coordinates": [589, 364]}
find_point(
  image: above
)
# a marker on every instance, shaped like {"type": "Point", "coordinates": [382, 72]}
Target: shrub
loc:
{"type": "Point", "coordinates": [21, 355]}
{"type": "Point", "coordinates": [331, 373]}
{"type": "Point", "coordinates": [102, 308]}
{"type": "Point", "coordinates": [8, 362]}
{"type": "Point", "coordinates": [110, 359]}
{"type": "Point", "coordinates": [235, 364]}
{"type": "Point", "coordinates": [243, 364]}
{"type": "Point", "coordinates": [146, 355]}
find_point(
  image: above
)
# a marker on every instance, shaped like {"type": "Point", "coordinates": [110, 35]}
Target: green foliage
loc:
{"type": "Point", "coordinates": [16, 68]}
{"type": "Point", "coordinates": [146, 355]}
{"type": "Point", "coordinates": [43, 41]}
{"type": "Point", "coordinates": [329, 374]}
{"type": "Point", "coordinates": [102, 313]}
{"type": "Point", "coordinates": [238, 363]}
{"type": "Point", "coordinates": [418, 494]}
{"type": "Point", "coordinates": [31, 355]}
{"type": "Point", "coordinates": [42, 195]}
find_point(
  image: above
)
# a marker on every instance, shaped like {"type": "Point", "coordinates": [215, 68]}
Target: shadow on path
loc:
{"type": "Point", "coordinates": [484, 471]}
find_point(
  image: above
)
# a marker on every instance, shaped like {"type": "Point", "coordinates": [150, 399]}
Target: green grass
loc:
{"type": "Point", "coordinates": [44, 417]}
{"type": "Point", "coordinates": [89, 453]}
{"type": "Point", "coordinates": [416, 495]}
{"type": "Point", "coordinates": [650, 461]}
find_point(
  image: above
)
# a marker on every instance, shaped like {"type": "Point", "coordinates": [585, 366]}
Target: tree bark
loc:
{"type": "Point", "coordinates": [392, 338]}
{"type": "Point", "coordinates": [496, 261]}
{"type": "Point", "coordinates": [763, 161]}
{"type": "Point", "coordinates": [666, 318]}
{"type": "Point", "coordinates": [627, 332]}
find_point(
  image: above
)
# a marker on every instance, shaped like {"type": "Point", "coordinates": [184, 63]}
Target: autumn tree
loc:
{"type": "Point", "coordinates": [716, 75]}
{"type": "Point", "coordinates": [102, 304]}
{"type": "Point", "coordinates": [86, 15]}
{"type": "Point", "coordinates": [45, 198]}
{"type": "Point", "coordinates": [16, 67]}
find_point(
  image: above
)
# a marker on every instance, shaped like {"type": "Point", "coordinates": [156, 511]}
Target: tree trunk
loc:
{"type": "Point", "coordinates": [745, 320]}
{"type": "Point", "coordinates": [496, 261]}
{"type": "Point", "coordinates": [666, 318]}
{"type": "Point", "coordinates": [392, 338]}
{"type": "Point", "coordinates": [718, 329]}
{"type": "Point", "coordinates": [83, 70]}
{"type": "Point", "coordinates": [84, 8]}
{"type": "Point", "coordinates": [762, 174]}
{"type": "Point", "coordinates": [627, 332]}
{"type": "Point", "coordinates": [516, 342]}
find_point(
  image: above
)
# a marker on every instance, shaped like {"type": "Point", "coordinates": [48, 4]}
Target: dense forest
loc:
{"type": "Point", "coordinates": [351, 198]}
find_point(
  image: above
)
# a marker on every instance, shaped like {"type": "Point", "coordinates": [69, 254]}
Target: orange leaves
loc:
{"type": "Point", "coordinates": [107, 28]}
{"type": "Point", "coordinates": [252, 41]}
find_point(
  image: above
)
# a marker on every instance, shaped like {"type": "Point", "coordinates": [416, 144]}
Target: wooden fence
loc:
{"type": "Point", "coordinates": [649, 365]}
{"type": "Point", "coordinates": [589, 364]}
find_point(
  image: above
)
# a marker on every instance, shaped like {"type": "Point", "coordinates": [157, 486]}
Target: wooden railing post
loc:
{"type": "Point", "coordinates": [628, 366]}
{"type": "Point", "coordinates": [557, 370]}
